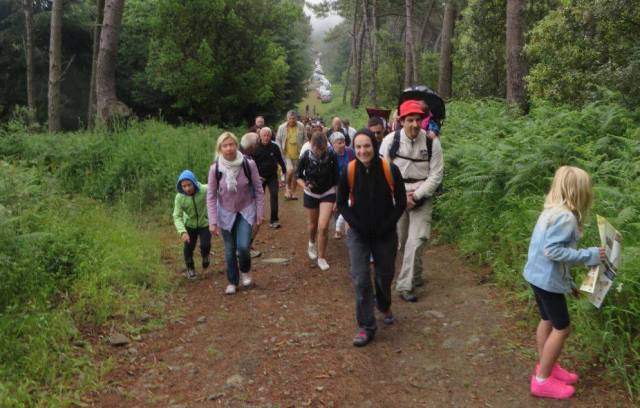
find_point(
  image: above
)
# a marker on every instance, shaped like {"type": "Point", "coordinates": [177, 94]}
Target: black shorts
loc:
{"type": "Point", "coordinates": [552, 306]}
{"type": "Point", "coordinates": [313, 203]}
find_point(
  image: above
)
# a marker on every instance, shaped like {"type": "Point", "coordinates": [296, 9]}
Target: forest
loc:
{"type": "Point", "coordinates": [104, 102]}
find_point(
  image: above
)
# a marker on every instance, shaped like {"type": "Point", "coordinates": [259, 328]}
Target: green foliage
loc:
{"type": "Point", "coordinates": [136, 166]}
{"type": "Point", "coordinates": [64, 263]}
{"type": "Point", "coordinates": [498, 169]}
{"type": "Point", "coordinates": [223, 62]}
{"type": "Point", "coordinates": [585, 45]}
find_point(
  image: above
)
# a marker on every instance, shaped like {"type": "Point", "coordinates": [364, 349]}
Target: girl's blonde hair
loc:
{"type": "Point", "coordinates": [224, 136]}
{"type": "Point", "coordinates": [571, 189]}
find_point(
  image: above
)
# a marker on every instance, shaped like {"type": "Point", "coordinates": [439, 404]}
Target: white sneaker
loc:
{"type": "Point", "coordinates": [323, 264]}
{"type": "Point", "coordinates": [230, 290]}
{"type": "Point", "coordinates": [246, 279]}
{"type": "Point", "coordinates": [312, 251]}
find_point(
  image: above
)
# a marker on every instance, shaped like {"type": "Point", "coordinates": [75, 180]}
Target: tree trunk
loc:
{"type": "Point", "coordinates": [371, 29]}
{"type": "Point", "coordinates": [426, 27]}
{"type": "Point", "coordinates": [55, 69]}
{"type": "Point", "coordinates": [91, 111]}
{"type": "Point", "coordinates": [516, 62]}
{"type": "Point", "coordinates": [352, 54]}
{"type": "Point", "coordinates": [446, 47]}
{"type": "Point", "coordinates": [109, 107]}
{"type": "Point", "coordinates": [357, 81]}
{"type": "Point", "coordinates": [410, 66]}
{"type": "Point", "coordinates": [28, 28]}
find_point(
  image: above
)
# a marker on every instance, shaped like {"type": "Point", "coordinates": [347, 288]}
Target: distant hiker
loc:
{"type": "Point", "coordinates": [191, 221]}
{"type": "Point", "coordinates": [248, 145]}
{"type": "Point", "coordinates": [376, 126]}
{"type": "Point", "coordinates": [235, 202]}
{"type": "Point", "coordinates": [421, 165]}
{"type": "Point", "coordinates": [318, 176]}
{"type": "Point", "coordinates": [267, 157]}
{"type": "Point", "coordinates": [290, 138]}
{"type": "Point", "coordinates": [344, 154]}
{"type": "Point", "coordinates": [372, 198]}
{"type": "Point", "coordinates": [551, 251]}
{"type": "Point", "coordinates": [351, 132]}
{"type": "Point", "coordinates": [336, 126]}
{"type": "Point", "coordinates": [428, 124]}
{"type": "Point", "coordinates": [258, 124]}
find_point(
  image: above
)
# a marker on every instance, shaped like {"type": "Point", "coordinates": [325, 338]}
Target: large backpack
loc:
{"type": "Point", "coordinates": [351, 176]}
{"type": "Point", "coordinates": [247, 173]}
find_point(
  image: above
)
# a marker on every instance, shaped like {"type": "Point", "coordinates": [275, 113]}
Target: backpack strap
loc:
{"type": "Point", "coordinates": [386, 169]}
{"type": "Point", "coordinates": [395, 146]}
{"type": "Point", "coordinates": [351, 175]}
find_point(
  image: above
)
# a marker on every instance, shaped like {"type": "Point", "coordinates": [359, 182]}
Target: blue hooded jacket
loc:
{"type": "Point", "coordinates": [190, 211]}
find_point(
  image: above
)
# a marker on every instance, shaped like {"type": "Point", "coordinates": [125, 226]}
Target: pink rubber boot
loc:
{"type": "Point", "coordinates": [551, 388]}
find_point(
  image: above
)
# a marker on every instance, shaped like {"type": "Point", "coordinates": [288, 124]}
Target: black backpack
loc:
{"type": "Point", "coordinates": [247, 173]}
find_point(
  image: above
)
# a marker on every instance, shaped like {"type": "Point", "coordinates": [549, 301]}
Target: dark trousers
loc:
{"type": "Point", "coordinates": [384, 252]}
{"type": "Point", "coordinates": [272, 183]}
{"type": "Point", "coordinates": [205, 245]}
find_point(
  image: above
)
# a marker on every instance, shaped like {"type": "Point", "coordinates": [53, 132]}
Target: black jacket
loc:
{"type": "Point", "coordinates": [373, 214]}
{"type": "Point", "coordinates": [319, 176]}
{"type": "Point", "coordinates": [267, 158]}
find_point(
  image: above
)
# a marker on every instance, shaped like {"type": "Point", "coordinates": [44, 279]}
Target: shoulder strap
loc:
{"type": "Point", "coordinates": [429, 148]}
{"type": "Point", "coordinates": [386, 168]}
{"type": "Point", "coordinates": [218, 173]}
{"type": "Point", "coordinates": [395, 145]}
{"type": "Point", "coordinates": [247, 173]}
{"type": "Point", "coordinates": [351, 175]}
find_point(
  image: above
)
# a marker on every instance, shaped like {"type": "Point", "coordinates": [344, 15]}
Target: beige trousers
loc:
{"type": "Point", "coordinates": [414, 229]}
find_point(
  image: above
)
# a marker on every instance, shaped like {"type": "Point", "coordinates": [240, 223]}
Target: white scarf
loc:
{"type": "Point", "coordinates": [231, 169]}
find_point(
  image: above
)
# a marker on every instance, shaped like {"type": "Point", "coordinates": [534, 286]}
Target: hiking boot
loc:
{"type": "Point", "coordinates": [551, 388]}
{"type": "Point", "coordinates": [561, 374]}
{"type": "Point", "coordinates": [323, 264]}
{"type": "Point", "coordinates": [312, 251]}
{"type": "Point", "coordinates": [205, 263]}
{"type": "Point", "coordinates": [254, 253]}
{"type": "Point", "coordinates": [246, 280]}
{"type": "Point", "coordinates": [408, 296]}
{"type": "Point", "coordinates": [362, 339]}
{"type": "Point", "coordinates": [388, 318]}
{"type": "Point", "coordinates": [275, 225]}
{"type": "Point", "coordinates": [230, 290]}
{"type": "Point", "coordinates": [190, 274]}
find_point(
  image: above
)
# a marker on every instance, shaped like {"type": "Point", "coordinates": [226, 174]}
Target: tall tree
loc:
{"type": "Point", "coordinates": [27, 6]}
{"type": "Point", "coordinates": [516, 62]}
{"type": "Point", "coordinates": [108, 105]}
{"type": "Point", "coordinates": [371, 28]}
{"type": "Point", "coordinates": [356, 93]}
{"type": "Point", "coordinates": [410, 67]}
{"type": "Point", "coordinates": [446, 47]}
{"type": "Point", "coordinates": [55, 69]}
{"type": "Point", "coordinates": [97, 29]}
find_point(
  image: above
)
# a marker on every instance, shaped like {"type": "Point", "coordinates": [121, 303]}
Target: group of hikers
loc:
{"type": "Point", "coordinates": [378, 183]}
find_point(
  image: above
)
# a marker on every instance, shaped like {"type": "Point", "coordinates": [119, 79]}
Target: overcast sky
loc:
{"type": "Point", "coordinates": [322, 25]}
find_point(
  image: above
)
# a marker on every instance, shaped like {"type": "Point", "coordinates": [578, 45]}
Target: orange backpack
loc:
{"type": "Point", "coordinates": [351, 175]}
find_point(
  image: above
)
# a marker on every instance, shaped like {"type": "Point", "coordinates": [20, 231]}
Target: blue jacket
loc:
{"type": "Point", "coordinates": [552, 250]}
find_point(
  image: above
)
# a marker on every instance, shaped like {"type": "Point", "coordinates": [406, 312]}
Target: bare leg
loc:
{"type": "Point", "coordinates": [313, 224]}
{"type": "Point", "coordinates": [542, 334]}
{"type": "Point", "coordinates": [551, 350]}
{"type": "Point", "coordinates": [324, 217]}
{"type": "Point", "coordinates": [291, 183]}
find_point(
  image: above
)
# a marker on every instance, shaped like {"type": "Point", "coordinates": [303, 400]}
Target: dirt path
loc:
{"type": "Point", "coordinates": [287, 342]}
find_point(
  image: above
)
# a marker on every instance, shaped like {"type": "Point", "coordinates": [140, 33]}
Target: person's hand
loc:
{"type": "Point", "coordinates": [410, 202]}
{"type": "Point", "coordinates": [335, 208]}
{"type": "Point", "coordinates": [214, 230]}
{"type": "Point", "coordinates": [431, 134]}
{"type": "Point", "coordinates": [262, 179]}
{"type": "Point", "coordinates": [603, 253]}
{"type": "Point", "coordinates": [185, 238]}
{"type": "Point", "coordinates": [258, 220]}
{"type": "Point", "coordinates": [575, 292]}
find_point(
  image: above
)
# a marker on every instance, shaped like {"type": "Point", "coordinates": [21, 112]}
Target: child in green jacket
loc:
{"type": "Point", "coordinates": [191, 220]}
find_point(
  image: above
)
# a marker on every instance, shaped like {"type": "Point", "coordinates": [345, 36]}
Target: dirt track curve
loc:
{"type": "Point", "coordinates": [287, 342]}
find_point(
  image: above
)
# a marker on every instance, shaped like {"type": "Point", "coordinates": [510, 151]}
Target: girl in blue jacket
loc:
{"type": "Point", "coordinates": [551, 251]}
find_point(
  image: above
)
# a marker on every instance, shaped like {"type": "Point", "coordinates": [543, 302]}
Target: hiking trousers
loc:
{"type": "Point", "coordinates": [414, 230]}
{"type": "Point", "coordinates": [236, 249]}
{"type": "Point", "coordinates": [272, 184]}
{"type": "Point", "coordinates": [384, 253]}
{"type": "Point", "coordinates": [189, 247]}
